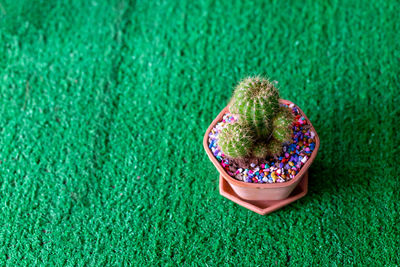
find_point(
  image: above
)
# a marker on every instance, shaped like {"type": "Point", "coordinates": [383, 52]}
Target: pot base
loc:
{"type": "Point", "coordinates": [264, 207]}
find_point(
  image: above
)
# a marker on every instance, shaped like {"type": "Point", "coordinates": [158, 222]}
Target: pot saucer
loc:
{"type": "Point", "coordinates": [266, 206]}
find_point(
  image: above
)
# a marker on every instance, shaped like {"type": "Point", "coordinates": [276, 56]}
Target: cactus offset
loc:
{"type": "Point", "coordinates": [274, 147]}
{"type": "Point", "coordinates": [260, 150]}
{"type": "Point", "coordinates": [236, 140]}
{"type": "Point", "coordinates": [256, 100]}
{"type": "Point", "coordinates": [282, 125]}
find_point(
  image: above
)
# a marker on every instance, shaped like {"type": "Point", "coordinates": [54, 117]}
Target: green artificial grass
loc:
{"type": "Point", "coordinates": [104, 104]}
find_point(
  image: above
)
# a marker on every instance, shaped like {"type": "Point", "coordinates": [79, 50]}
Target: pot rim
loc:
{"type": "Point", "coordinates": [232, 180]}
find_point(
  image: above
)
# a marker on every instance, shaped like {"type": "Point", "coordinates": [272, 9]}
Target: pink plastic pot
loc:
{"type": "Point", "coordinates": [254, 191]}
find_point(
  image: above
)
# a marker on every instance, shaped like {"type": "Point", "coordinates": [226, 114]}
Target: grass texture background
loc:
{"type": "Point", "coordinates": [103, 106]}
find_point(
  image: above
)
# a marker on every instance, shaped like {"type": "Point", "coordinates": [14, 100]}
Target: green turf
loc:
{"type": "Point", "coordinates": [103, 110]}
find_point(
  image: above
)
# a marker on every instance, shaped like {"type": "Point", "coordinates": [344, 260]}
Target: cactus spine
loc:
{"type": "Point", "coordinates": [262, 126]}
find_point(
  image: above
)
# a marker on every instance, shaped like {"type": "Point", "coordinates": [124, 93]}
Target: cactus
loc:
{"type": "Point", "coordinates": [261, 150]}
{"type": "Point", "coordinates": [262, 125]}
{"type": "Point", "coordinates": [236, 140]}
{"type": "Point", "coordinates": [282, 125]}
{"type": "Point", "coordinates": [256, 100]}
{"type": "Point", "coordinates": [274, 147]}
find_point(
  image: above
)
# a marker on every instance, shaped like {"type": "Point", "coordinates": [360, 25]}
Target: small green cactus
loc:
{"type": "Point", "coordinates": [256, 100]}
{"type": "Point", "coordinates": [236, 140]}
{"type": "Point", "coordinates": [262, 125]}
{"type": "Point", "coordinates": [261, 150]}
{"type": "Point", "coordinates": [282, 125]}
{"type": "Point", "coordinates": [274, 147]}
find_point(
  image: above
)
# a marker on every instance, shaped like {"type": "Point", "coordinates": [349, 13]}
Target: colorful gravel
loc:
{"type": "Point", "coordinates": [274, 170]}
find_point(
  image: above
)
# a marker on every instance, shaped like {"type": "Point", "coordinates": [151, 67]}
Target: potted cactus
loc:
{"type": "Point", "coordinates": [261, 145]}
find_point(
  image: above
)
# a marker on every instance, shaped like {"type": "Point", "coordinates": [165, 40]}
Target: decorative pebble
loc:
{"type": "Point", "coordinates": [275, 170]}
{"type": "Point", "coordinates": [274, 177]}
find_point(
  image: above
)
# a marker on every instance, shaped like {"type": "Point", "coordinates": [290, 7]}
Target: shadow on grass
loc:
{"type": "Point", "coordinates": [348, 142]}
